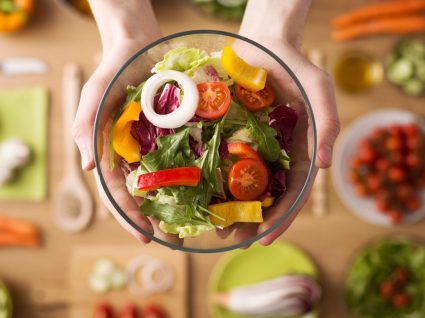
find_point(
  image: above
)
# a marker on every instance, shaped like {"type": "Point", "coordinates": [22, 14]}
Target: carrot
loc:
{"type": "Point", "coordinates": [18, 233]}
{"type": "Point", "coordinates": [14, 239]}
{"type": "Point", "coordinates": [377, 10]}
{"type": "Point", "coordinates": [399, 25]}
{"type": "Point", "coordinates": [12, 225]}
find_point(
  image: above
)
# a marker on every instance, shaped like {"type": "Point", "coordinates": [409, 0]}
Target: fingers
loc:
{"type": "Point", "coordinates": [320, 91]}
{"type": "Point", "coordinates": [127, 203]}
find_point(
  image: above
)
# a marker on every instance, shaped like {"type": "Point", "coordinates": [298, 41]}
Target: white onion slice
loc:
{"type": "Point", "coordinates": [154, 276]}
{"type": "Point", "coordinates": [188, 104]}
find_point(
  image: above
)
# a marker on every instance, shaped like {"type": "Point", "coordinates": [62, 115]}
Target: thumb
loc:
{"type": "Point", "coordinates": [82, 128]}
{"type": "Point", "coordinates": [320, 90]}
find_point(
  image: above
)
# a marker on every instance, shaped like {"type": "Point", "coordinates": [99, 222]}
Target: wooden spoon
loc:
{"type": "Point", "coordinates": [74, 206]}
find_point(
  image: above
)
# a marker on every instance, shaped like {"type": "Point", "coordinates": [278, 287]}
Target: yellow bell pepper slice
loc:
{"type": "Point", "coordinates": [267, 202]}
{"type": "Point", "coordinates": [250, 77]}
{"type": "Point", "coordinates": [236, 211]}
{"type": "Point", "coordinates": [122, 141]}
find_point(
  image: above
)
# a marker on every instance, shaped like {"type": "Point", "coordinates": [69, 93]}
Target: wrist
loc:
{"type": "Point", "coordinates": [281, 20]}
{"type": "Point", "coordinates": [119, 20]}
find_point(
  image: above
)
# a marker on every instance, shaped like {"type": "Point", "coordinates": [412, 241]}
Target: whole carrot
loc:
{"type": "Point", "coordinates": [396, 25]}
{"type": "Point", "coordinates": [10, 239]}
{"type": "Point", "coordinates": [378, 10]}
{"type": "Point", "coordinates": [13, 225]}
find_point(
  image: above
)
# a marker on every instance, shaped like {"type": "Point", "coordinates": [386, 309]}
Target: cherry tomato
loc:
{"type": "Point", "coordinates": [413, 143]}
{"type": "Point", "coordinates": [214, 100]}
{"type": "Point", "coordinates": [393, 143]}
{"type": "Point", "coordinates": [395, 216]}
{"type": "Point", "coordinates": [412, 160]}
{"type": "Point", "coordinates": [153, 311]}
{"type": "Point", "coordinates": [255, 100]}
{"type": "Point", "coordinates": [373, 182]}
{"type": "Point", "coordinates": [382, 164]}
{"type": "Point", "coordinates": [243, 151]}
{"type": "Point", "coordinates": [395, 130]}
{"type": "Point", "coordinates": [400, 300]}
{"type": "Point", "coordinates": [382, 206]}
{"type": "Point", "coordinates": [361, 190]}
{"type": "Point", "coordinates": [367, 154]}
{"type": "Point", "coordinates": [401, 275]}
{"type": "Point", "coordinates": [129, 311]}
{"type": "Point", "coordinates": [103, 310]}
{"type": "Point", "coordinates": [396, 174]}
{"type": "Point", "coordinates": [404, 191]}
{"type": "Point", "coordinates": [248, 178]}
{"type": "Point", "coordinates": [387, 289]}
{"type": "Point", "coordinates": [413, 203]}
{"type": "Point", "coordinates": [410, 130]}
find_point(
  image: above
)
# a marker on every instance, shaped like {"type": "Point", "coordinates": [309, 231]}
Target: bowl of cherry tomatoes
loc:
{"type": "Point", "coordinates": [379, 169]}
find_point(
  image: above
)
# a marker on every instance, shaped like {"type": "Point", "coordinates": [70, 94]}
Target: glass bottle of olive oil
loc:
{"type": "Point", "coordinates": [357, 72]}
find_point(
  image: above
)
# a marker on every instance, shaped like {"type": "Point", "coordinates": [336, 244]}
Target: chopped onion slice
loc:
{"type": "Point", "coordinates": [187, 107]}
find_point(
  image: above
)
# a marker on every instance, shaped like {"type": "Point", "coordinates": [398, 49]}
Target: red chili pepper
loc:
{"type": "Point", "coordinates": [185, 176]}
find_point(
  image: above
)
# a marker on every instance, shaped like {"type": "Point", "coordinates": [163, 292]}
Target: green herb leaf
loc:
{"type": "Point", "coordinates": [173, 151]}
{"type": "Point", "coordinates": [264, 135]}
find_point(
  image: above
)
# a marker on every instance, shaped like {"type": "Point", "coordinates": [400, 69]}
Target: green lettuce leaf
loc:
{"type": "Point", "coordinates": [182, 59]}
{"type": "Point", "coordinates": [184, 230]}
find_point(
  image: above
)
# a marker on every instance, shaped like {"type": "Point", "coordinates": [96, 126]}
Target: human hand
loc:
{"type": "Point", "coordinates": [285, 22]}
{"type": "Point", "coordinates": [125, 27]}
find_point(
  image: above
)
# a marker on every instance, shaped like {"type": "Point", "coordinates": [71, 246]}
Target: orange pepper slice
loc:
{"type": "Point", "coordinates": [123, 142]}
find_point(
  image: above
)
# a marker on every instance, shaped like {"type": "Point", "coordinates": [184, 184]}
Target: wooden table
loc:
{"type": "Point", "coordinates": [59, 36]}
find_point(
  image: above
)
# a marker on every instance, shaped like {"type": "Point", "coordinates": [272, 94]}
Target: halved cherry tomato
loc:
{"type": "Point", "coordinates": [243, 151]}
{"type": "Point", "coordinates": [185, 176]}
{"type": "Point", "coordinates": [214, 100]}
{"type": "Point", "coordinates": [103, 310]}
{"type": "Point", "coordinates": [153, 311]}
{"type": "Point", "coordinates": [129, 311]}
{"type": "Point", "coordinates": [248, 178]}
{"type": "Point", "coordinates": [255, 100]}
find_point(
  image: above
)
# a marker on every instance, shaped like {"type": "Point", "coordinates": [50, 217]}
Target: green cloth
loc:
{"type": "Point", "coordinates": [24, 115]}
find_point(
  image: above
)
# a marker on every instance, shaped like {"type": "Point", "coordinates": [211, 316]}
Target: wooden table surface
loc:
{"type": "Point", "coordinates": [58, 36]}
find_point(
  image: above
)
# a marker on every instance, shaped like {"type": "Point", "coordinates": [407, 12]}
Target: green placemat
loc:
{"type": "Point", "coordinates": [24, 114]}
{"type": "Point", "coordinates": [254, 265]}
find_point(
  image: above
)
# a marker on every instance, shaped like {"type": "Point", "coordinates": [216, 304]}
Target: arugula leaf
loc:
{"type": "Point", "coordinates": [264, 135]}
{"type": "Point", "coordinates": [173, 151]}
{"type": "Point", "coordinates": [209, 162]}
{"type": "Point", "coordinates": [178, 214]}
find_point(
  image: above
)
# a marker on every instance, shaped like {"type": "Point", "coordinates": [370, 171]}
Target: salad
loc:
{"type": "Point", "coordinates": [387, 280]}
{"type": "Point", "coordinates": [204, 142]}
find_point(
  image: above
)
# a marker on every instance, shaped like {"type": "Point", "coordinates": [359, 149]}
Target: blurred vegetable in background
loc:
{"type": "Point", "coordinates": [18, 233]}
{"type": "Point", "coordinates": [405, 66]}
{"type": "Point", "coordinates": [81, 5]}
{"type": "Point", "coordinates": [225, 9]}
{"type": "Point", "coordinates": [386, 17]}
{"type": "Point", "coordinates": [14, 14]}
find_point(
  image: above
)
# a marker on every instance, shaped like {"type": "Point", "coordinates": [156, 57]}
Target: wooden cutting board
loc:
{"type": "Point", "coordinates": [174, 301]}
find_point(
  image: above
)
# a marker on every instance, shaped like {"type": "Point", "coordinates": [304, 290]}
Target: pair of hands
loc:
{"type": "Point", "coordinates": [284, 41]}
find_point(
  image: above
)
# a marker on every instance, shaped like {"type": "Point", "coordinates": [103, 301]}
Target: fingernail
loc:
{"type": "Point", "coordinates": [85, 158]}
{"type": "Point", "coordinates": [326, 155]}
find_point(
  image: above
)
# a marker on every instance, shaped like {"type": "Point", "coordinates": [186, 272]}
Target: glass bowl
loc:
{"type": "Point", "coordinates": [288, 90]}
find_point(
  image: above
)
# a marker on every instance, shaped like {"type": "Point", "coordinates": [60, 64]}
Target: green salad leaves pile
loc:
{"type": "Point", "coordinates": [373, 266]}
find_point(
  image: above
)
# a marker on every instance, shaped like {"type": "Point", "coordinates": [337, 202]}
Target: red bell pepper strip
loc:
{"type": "Point", "coordinates": [243, 151]}
{"type": "Point", "coordinates": [185, 176]}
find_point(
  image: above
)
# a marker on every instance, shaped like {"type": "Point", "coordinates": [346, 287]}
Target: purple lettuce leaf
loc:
{"type": "Point", "coordinates": [278, 184]}
{"type": "Point", "coordinates": [168, 101]}
{"type": "Point", "coordinates": [283, 119]}
{"type": "Point", "coordinates": [196, 147]}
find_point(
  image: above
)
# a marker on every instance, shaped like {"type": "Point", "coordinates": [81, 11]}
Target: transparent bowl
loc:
{"type": "Point", "coordinates": [288, 90]}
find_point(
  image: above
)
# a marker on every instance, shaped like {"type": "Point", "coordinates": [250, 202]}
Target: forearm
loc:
{"type": "Point", "coordinates": [276, 19]}
{"type": "Point", "coordinates": [118, 19]}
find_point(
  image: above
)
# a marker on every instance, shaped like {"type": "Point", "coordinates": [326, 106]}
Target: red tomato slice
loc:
{"type": "Point", "coordinates": [129, 311]}
{"type": "Point", "coordinates": [103, 310]}
{"type": "Point", "coordinates": [248, 178]}
{"type": "Point", "coordinates": [255, 100]}
{"type": "Point", "coordinates": [214, 100]}
{"type": "Point", "coordinates": [154, 311]}
{"type": "Point", "coordinates": [243, 151]}
{"type": "Point", "coordinates": [185, 176]}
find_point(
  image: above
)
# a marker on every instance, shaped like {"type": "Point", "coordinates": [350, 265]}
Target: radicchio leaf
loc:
{"type": "Point", "coordinates": [278, 184]}
{"type": "Point", "coordinates": [168, 101]}
{"type": "Point", "coordinates": [196, 147]}
{"type": "Point", "coordinates": [283, 119]}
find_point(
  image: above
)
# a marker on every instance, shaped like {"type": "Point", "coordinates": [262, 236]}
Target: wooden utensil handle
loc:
{"type": "Point", "coordinates": [71, 90]}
